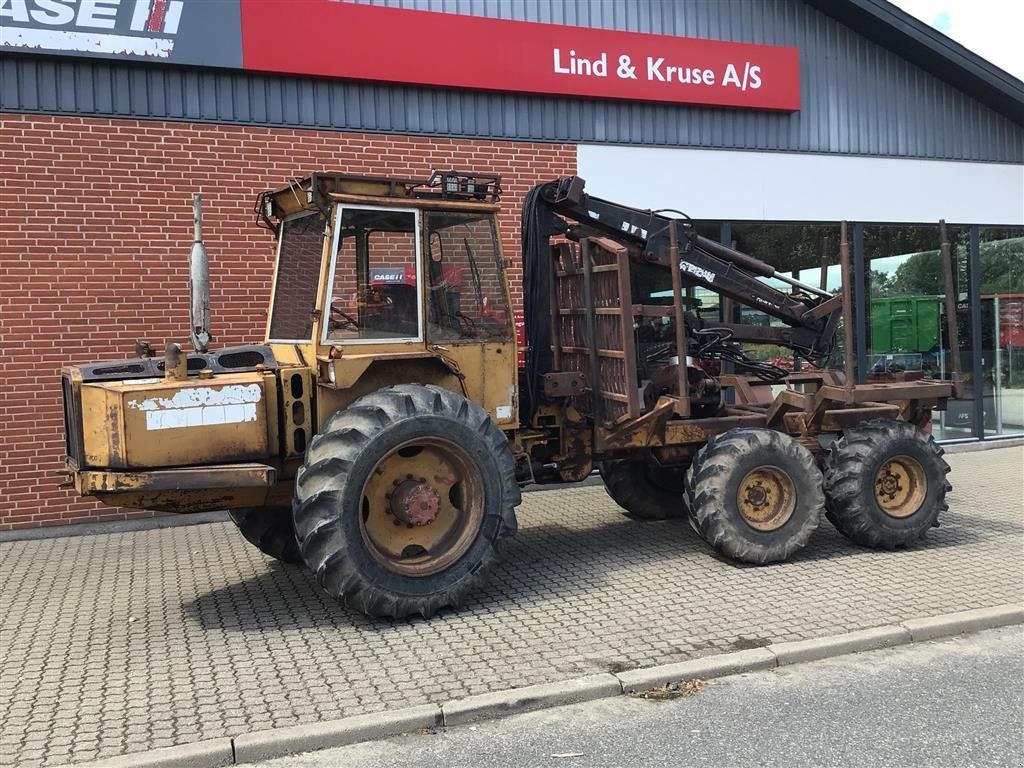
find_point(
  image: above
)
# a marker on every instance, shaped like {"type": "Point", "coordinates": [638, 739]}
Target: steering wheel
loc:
{"type": "Point", "coordinates": [339, 319]}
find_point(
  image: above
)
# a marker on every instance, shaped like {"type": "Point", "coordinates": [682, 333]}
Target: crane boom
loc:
{"type": "Point", "coordinates": [810, 313]}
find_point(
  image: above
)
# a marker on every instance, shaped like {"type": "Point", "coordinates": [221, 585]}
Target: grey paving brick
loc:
{"type": "Point", "coordinates": [226, 641]}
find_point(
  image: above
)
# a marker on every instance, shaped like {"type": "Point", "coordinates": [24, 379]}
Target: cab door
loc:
{"type": "Point", "coordinates": [468, 319]}
{"type": "Point", "coordinates": [373, 286]}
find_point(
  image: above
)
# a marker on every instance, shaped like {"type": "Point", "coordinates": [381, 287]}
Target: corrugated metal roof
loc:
{"type": "Point", "coordinates": [857, 97]}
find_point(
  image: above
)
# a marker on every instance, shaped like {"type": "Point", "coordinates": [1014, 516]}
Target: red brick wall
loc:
{"type": "Point", "coordinates": [96, 233]}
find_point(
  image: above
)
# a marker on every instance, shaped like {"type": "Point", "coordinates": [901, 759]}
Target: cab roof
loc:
{"type": "Point", "coordinates": [317, 190]}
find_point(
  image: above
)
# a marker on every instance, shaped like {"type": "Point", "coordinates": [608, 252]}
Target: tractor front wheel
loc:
{"type": "Point", "coordinates": [754, 495]}
{"type": "Point", "coordinates": [885, 483]}
{"type": "Point", "coordinates": [404, 500]}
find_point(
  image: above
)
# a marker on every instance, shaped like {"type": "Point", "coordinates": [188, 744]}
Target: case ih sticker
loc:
{"type": "Point", "coordinates": [388, 276]}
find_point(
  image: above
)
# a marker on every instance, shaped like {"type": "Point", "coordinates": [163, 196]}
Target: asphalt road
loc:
{"type": "Point", "coordinates": [957, 702]}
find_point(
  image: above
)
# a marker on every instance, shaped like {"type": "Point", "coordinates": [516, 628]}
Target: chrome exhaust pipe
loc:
{"type": "Point", "coordinates": [199, 282]}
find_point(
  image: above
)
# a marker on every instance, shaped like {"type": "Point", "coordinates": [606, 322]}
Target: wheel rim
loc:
{"type": "Point", "coordinates": [421, 507]}
{"type": "Point", "coordinates": [900, 486]}
{"type": "Point", "coordinates": [766, 498]}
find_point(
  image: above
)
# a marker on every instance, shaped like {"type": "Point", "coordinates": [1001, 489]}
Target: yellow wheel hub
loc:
{"type": "Point", "coordinates": [900, 486]}
{"type": "Point", "coordinates": [766, 498]}
{"type": "Point", "coordinates": [422, 507]}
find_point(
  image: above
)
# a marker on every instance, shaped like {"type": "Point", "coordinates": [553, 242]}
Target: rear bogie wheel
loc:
{"type": "Point", "coordinates": [643, 488]}
{"type": "Point", "coordinates": [885, 483]}
{"type": "Point", "coordinates": [754, 495]}
{"type": "Point", "coordinates": [404, 499]}
{"type": "Point", "coordinates": [270, 530]}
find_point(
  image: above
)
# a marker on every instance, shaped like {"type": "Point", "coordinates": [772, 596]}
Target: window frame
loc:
{"type": "Point", "coordinates": [339, 211]}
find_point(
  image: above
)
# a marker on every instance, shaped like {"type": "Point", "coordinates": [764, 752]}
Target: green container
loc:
{"type": "Point", "coordinates": [905, 324]}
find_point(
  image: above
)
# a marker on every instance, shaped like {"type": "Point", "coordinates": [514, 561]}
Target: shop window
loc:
{"type": "Point", "coordinates": [805, 252]}
{"type": "Point", "coordinates": [907, 330]}
{"type": "Point", "coordinates": [1001, 268]}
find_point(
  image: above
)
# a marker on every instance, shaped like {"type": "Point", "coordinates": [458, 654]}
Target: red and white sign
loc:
{"type": "Point", "coordinates": [395, 45]}
{"type": "Point", "coordinates": [331, 38]}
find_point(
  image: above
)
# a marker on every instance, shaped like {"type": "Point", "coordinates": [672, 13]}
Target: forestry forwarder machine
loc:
{"type": "Point", "coordinates": [383, 431]}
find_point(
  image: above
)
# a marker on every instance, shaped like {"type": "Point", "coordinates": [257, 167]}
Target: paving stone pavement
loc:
{"type": "Point", "coordinates": [124, 642]}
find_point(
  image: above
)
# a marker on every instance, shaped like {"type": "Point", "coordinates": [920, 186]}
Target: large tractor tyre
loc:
{"type": "Point", "coordinates": [754, 495]}
{"type": "Point", "coordinates": [644, 489]}
{"type": "Point", "coordinates": [885, 484]}
{"type": "Point", "coordinates": [270, 530]}
{"type": "Point", "coordinates": [404, 499]}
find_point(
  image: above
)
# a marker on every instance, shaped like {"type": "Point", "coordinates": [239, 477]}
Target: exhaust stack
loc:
{"type": "Point", "coordinates": [199, 283]}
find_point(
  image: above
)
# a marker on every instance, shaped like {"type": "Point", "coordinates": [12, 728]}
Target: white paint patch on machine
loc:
{"type": "Point", "coordinates": [201, 407]}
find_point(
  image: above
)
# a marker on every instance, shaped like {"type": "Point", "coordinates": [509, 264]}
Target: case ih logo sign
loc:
{"type": "Point", "coordinates": [331, 38]}
{"type": "Point", "coordinates": [194, 32]}
{"type": "Point", "coordinates": [130, 27]}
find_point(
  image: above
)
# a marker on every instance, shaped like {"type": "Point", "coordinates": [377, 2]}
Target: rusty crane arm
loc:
{"type": "Point", "coordinates": [810, 313]}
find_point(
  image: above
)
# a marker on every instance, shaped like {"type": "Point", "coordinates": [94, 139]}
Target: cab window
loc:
{"type": "Point", "coordinates": [300, 247]}
{"type": "Point", "coordinates": [466, 297]}
{"type": "Point", "coordinates": [374, 294]}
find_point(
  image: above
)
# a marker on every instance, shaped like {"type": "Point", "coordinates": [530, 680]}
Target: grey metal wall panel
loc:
{"type": "Point", "coordinates": [857, 97]}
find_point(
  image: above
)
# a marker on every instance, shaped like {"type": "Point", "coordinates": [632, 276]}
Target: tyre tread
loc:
{"type": "Point", "coordinates": [844, 478]}
{"type": "Point", "coordinates": [323, 478]}
{"type": "Point", "coordinates": [270, 530]}
{"type": "Point", "coordinates": [626, 482]}
{"type": "Point", "coordinates": [712, 467]}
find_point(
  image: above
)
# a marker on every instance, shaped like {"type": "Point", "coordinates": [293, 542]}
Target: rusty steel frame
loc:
{"type": "Point", "coordinates": [626, 326]}
{"type": "Point", "coordinates": [831, 407]}
{"type": "Point", "coordinates": [590, 318]}
{"type": "Point", "coordinates": [825, 402]}
{"type": "Point", "coordinates": [682, 407]}
{"type": "Point", "coordinates": [844, 276]}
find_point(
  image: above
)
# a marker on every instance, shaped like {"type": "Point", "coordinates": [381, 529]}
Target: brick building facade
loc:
{"type": "Point", "coordinates": [95, 252]}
